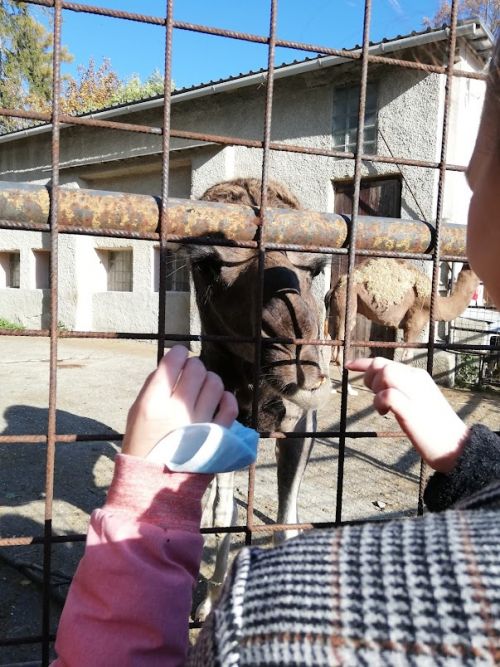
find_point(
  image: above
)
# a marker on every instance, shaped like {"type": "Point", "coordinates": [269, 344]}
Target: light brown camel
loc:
{"type": "Point", "coordinates": [293, 379]}
{"type": "Point", "coordinates": [394, 293]}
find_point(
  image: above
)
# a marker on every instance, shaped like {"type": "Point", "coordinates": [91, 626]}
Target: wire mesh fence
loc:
{"type": "Point", "coordinates": [58, 211]}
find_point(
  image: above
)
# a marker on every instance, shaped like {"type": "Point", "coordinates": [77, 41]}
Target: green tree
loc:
{"type": "Point", "coordinates": [26, 73]}
{"type": "Point", "coordinates": [25, 62]}
{"type": "Point", "coordinates": [98, 87]}
{"type": "Point", "coordinates": [94, 88]}
{"type": "Point", "coordinates": [486, 10]}
{"type": "Point", "coordinates": [135, 89]}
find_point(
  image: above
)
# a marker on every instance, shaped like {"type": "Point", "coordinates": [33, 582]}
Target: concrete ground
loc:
{"type": "Point", "coordinates": [97, 381]}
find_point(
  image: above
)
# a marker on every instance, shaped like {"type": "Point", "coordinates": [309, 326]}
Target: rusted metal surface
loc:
{"type": "Point", "coordinates": [24, 203]}
{"type": "Point", "coordinates": [50, 449]}
{"type": "Point", "coordinates": [165, 218]}
{"type": "Point", "coordinates": [26, 206]}
{"type": "Point", "coordinates": [261, 257]}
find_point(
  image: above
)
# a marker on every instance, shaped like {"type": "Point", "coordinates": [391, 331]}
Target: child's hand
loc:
{"type": "Point", "coordinates": [179, 392]}
{"type": "Point", "coordinates": [423, 413]}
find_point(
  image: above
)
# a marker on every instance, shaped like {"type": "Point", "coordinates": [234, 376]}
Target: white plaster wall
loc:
{"type": "Point", "coordinates": [210, 167]}
{"type": "Point", "coordinates": [26, 305]}
{"type": "Point", "coordinates": [149, 183]}
{"type": "Point", "coordinates": [29, 159]}
{"type": "Point", "coordinates": [468, 96]}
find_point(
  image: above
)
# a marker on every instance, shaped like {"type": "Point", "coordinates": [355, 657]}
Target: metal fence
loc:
{"type": "Point", "coordinates": [326, 234]}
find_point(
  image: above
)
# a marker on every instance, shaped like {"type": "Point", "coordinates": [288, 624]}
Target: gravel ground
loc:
{"type": "Point", "coordinates": [97, 381]}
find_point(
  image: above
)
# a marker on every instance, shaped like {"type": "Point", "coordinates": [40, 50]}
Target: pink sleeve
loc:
{"type": "Point", "coordinates": [130, 599]}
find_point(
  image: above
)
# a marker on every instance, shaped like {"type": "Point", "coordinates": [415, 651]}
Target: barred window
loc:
{"type": "Point", "coordinates": [177, 278]}
{"type": "Point", "coordinates": [10, 269]}
{"type": "Point", "coordinates": [119, 270]}
{"type": "Point", "coordinates": [345, 119]}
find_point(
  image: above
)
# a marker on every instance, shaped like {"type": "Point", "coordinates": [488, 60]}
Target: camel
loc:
{"type": "Point", "coordinates": [394, 293]}
{"type": "Point", "coordinates": [294, 380]}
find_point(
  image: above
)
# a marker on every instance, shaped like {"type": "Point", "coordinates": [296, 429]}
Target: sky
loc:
{"type": "Point", "coordinates": [136, 48]}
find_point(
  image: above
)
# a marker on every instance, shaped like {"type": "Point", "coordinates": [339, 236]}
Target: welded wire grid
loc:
{"type": "Point", "coordinates": [169, 24]}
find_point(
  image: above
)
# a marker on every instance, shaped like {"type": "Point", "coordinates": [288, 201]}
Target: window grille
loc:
{"type": "Point", "coordinates": [15, 270]}
{"type": "Point", "coordinates": [10, 266]}
{"type": "Point", "coordinates": [345, 119]}
{"type": "Point", "coordinates": [119, 270]}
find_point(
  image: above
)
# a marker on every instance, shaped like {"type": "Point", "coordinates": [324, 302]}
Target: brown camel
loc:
{"type": "Point", "coordinates": [394, 293]}
{"type": "Point", "coordinates": [293, 379]}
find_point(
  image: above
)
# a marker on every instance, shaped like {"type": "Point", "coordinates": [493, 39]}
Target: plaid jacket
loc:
{"type": "Point", "coordinates": [421, 591]}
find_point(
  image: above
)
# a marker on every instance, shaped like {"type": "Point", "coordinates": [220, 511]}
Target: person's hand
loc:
{"type": "Point", "coordinates": [420, 408]}
{"type": "Point", "coordinates": [179, 392]}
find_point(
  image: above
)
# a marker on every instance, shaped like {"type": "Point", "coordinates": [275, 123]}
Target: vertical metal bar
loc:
{"type": "Point", "coordinates": [268, 117]}
{"type": "Point", "coordinates": [167, 91]}
{"type": "Point", "coordinates": [51, 425]}
{"type": "Point", "coordinates": [261, 252]}
{"type": "Point", "coordinates": [452, 40]}
{"type": "Point", "coordinates": [352, 252]}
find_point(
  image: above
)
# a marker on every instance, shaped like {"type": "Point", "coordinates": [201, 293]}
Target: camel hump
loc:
{"type": "Point", "coordinates": [246, 191]}
{"type": "Point", "coordinates": [388, 282]}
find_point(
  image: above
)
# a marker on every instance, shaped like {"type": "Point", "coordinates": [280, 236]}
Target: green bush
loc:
{"type": "Point", "coordinates": [7, 324]}
{"type": "Point", "coordinates": [467, 370]}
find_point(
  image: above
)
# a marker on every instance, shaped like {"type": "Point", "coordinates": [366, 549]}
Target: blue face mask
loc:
{"type": "Point", "coordinates": [207, 448]}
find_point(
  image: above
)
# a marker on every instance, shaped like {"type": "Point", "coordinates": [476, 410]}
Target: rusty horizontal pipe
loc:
{"type": "Point", "coordinates": [93, 210]}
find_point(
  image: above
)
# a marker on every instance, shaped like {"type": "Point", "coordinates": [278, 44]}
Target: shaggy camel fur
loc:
{"type": "Point", "coordinates": [293, 380]}
{"type": "Point", "coordinates": [394, 293]}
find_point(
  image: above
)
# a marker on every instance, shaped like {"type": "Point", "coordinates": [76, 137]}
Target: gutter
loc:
{"type": "Point", "coordinates": [472, 30]}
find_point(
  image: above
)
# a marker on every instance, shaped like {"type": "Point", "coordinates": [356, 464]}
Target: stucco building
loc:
{"type": "Point", "coordinates": [111, 284]}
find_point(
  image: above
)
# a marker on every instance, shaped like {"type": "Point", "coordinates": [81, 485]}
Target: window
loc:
{"type": "Point", "coordinates": [42, 269]}
{"type": "Point", "coordinates": [118, 266]}
{"type": "Point", "coordinates": [10, 269]}
{"type": "Point", "coordinates": [177, 271]}
{"type": "Point", "coordinates": [345, 119]}
{"type": "Point", "coordinates": [377, 196]}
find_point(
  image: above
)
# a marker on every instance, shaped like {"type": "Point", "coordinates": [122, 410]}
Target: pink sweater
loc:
{"type": "Point", "coordinates": [130, 599]}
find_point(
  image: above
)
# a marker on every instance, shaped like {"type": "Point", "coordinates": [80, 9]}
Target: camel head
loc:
{"type": "Point", "coordinates": [227, 291]}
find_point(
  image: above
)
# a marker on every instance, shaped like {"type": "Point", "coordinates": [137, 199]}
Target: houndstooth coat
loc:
{"type": "Point", "coordinates": [422, 591]}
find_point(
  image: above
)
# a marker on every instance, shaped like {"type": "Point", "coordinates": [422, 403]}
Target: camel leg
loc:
{"type": "Point", "coordinates": [292, 455]}
{"type": "Point", "coordinates": [339, 332]}
{"type": "Point", "coordinates": [407, 355]}
{"type": "Point", "coordinates": [223, 512]}
{"type": "Point", "coordinates": [412, 329]}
